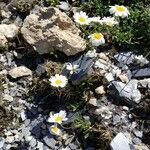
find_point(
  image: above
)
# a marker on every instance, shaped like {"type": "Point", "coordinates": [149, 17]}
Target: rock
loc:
{"type": "Point", "coordinates": [8, 98]}
{"type": "Point", "coordinates": [145, 83]}
{"type": "Point", "coordinates": [40, 145]}
{"type": "Point", "coordinates": [141, 147]}
{"type": "Point", "coordinates": [100, 90]}
{"type": "Point", "coordinates": [136, 141]}
{"type": "Point", "coordinates": [116, 119]}
{"type": "Point", "coordinates": [73, 146]}
{"type": "Point", "coordinates": [124, 78]}
{"type": "Point", "coordinates": [10, 139]}
{"type": "Point", "coordinates": [141, 72]}
{"type": "Point", "coordinates": [138, 133]}
{"type": "Point", "coordinates": [50, 29]}
{"type": "Point", "coordinates": [127, 92]}
{"type": "Point", "coordinates": [9, 31]}
{"type": "Point", "coordinates": [28, 138]}
{"type": "Point", "coordinates": [51, 142]}
{"type": "Point", "coordinates": [125, 58]}
{"type": "Point", "coordinates": [93, 101]}
{"type": "Point", "coordinates": [27, 122]}
{"type": "Point", "coordinates": [1, 143]}
{"type": "Point", "coordinates": [103, 56]}
{"type": "Point", "coordinates": [125, 108]}
{"type": "Point", "coordinates": [102, 64]}
{"type": "Point", "coordinates": [33, 143]}
{"type": "Point", "coordinates": [40, 69]}
{"type": "Point", "coordinates": [6, 14]}
{"type": "Point", "coordinates": [120, 142]}
{"type": "Point", "coordinates": [64, 6]}
{"type": "Point", "coordinates": [104, 112]}
{"type": "Point", "coordinates": [23, 115]}
{"type": "Point", "coordinates": [3, 42]}
{"type": "Point", "coordinates": [20, 71]}
{"type": "Point", "coordinates": [109, 77]}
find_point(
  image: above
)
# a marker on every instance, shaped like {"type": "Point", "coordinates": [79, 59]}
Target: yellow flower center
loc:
{"type": "Point", "coordinates": [54, 129]}
{"type": "Point", "coordinates": [120, 8]}
{"type": "Point", "coordinates": [82, 19]}
{"type": "Point", "coordinates": [58, 119]}
{"type": "Point", "coordinates": [98, 36]}
{"type": "Point", "coordinates": [58, 82]}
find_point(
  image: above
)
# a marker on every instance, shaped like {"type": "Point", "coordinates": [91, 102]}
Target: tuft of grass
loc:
{"type": "Point", "coordinates": [82, 124]}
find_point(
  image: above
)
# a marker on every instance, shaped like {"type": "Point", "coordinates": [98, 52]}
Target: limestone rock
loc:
{"type": "Point", "coordinates": [9, 31]}
{"type": "Point", "coordinates": [120, 142]}
{"type": "Point", "coordinates": [3, 41]}
{"type": "Point", "coordinates": [100, 90]}
{"type": "Point", "coordinates": [144, 83]}
{"type": "Point", "coordinates": [50, 29]}
{"type": "Point", "coordinates": [20, 72]}
{"type": "Point", "coordinates": [128, 92]}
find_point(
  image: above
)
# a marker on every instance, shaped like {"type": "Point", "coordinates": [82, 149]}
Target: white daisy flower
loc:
{"type": "Point", "coordinates": [97, 39]}
{"type": "Point", "coordinates": [55, 130]}
{"type": "Point", "coordinates": [58, 81]}
{"type": "Point", "coordinates": [72, 68]}
{"type": "Point", "coordinates": [110, 21]}
{"type": "Point", "coordinates": [58, 117]}
{"type": "Point", "coordinates": [121, 11]}
{"type": "Point", "coordinates": [95, 19]}
{"type": "Point", "coordinates": [81, 18]}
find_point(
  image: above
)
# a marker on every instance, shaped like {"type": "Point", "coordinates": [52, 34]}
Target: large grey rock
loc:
{"type": "Point", "coordinates": [20, 71]}
{"type": "Point", "coordinates": [49, 29]}
{"type": "Point", "coordinates": [127, 91]}
{"type": "Point", "coordinates": [120, 142]}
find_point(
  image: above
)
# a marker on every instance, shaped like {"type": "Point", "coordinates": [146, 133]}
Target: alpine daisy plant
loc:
{"type": "Point", "coordinates": [109, 21]}
{"type": "Point", "coordinates": [58, 81]}
{"type": "Point", "coordinates": [72, 68]}
{"type": "Point", "coordinates": [55, 130]}
{"type": "Point", "coordinates": [81, 18]}
{"type": "Point", "coordinates": [96, 39]}
{"type": "Point", "coordinates": [120, 11]}
{"type": "Point", "coordinates": [58, 117]}
{"type": "Point", "coordinates": [95, 19]}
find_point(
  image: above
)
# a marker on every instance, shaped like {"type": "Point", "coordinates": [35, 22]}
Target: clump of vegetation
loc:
{"type": "Point", "coordinates": [82, 124]}
{"type": "Point", "coordinates": [52, 2]}
{"type": "Point", "coordinates": [24, 6]}
{"type": "Point", "coordinates": [132, 32]}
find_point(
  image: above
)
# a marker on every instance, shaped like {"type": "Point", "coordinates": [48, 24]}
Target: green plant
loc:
{"type": "Point", "coordinates": [52, 2]}
{"type": "Point", "coordinates": [82, 124]}
{"type": "Point", "coordinates": [131, 33]}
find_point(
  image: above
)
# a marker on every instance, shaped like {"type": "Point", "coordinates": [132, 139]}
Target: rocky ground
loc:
{"type": "Point", "coordinates": [107, 100]}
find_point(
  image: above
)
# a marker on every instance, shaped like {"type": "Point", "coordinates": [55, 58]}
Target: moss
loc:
{"type": "Point", "coordinates": [53, 68]}
{"type": "Point", "coordinates": [24, 6]}
{"type": "Point", "coordinates": [52, 2]}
